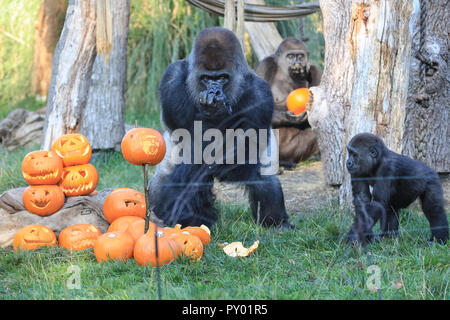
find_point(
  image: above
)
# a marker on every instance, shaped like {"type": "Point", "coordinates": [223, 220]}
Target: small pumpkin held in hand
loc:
{"type": "Point", "coordinates": [143, 145]}
{"type": "Point", "coordinates": [124, 202]}
{"type": "Point", "coordinates": [297, 100]}
{"type": "Point", "coordinates": [43, 200]}
{"type": "Point", "coordinates": [74, 149]}
{"type": "Point", "coordinates": [114, 246]}
{"type": "Point", "coordinates": [78, 236]}
{"type": "Point", "coordinates": [79, 180]}
{"type": "Point", "coordinates": [144, 250]}
{"type": "Point", "coordinates": [121, 224]}
{"type": "Point", "coordinates": [42, 167]}
{"type": "Point", "coordinates": [34, 236]}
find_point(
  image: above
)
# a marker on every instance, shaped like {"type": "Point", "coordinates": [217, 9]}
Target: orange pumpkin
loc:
{"type": "Point", "coordinates": [121, 224]}
{"type": "Point", "coordinates": [34, 236]}
{"type": "Point", "coordinates": [114, 246]}
{"type": "Point", "coordinates": [143, 145]}
{"type": "Point", "coordinates": [124, 202]}
{"type": "Point", "coordinates": [297, 100]}
{"type": "Point", "coordinates": [201, 232]}
{"type": "Point", "coordinates": [191, 246]}
{"type": "Point", "coordinates": [136, 229]}
{"type": "Point", "coordinates": [144, 249]}
{"type": "Point", "coordinates": [42, 167]}
{"type": "Point", "coordinates": [79, 180]}
{"type": "Point", "coordinates": [74, 149]}
{"type": "Point", "coordinates": [78, 236]}
{"type": "Point", "coordinates": [43, 200]}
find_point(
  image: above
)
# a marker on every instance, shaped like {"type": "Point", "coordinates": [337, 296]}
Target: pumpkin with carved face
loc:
{"type": "Point", "coordinates": [143, 145]}
{"type": "Point", "coordinates": [79, 180]}
{"type": "Point", "coordinates": [124, 202]}
{"type": "Point", "coordinates": [42, 167]}
{"type": "Point", "coordinates": [74, 149]}
{"type": "Point", "coordinates": [191, 246]}
{"type": "Point", "coordinates": [43, 200]}
{"type": "Point", "coordinates": [78, 237]}
{"type": "Point", "coordinates": [144, 249]}
{"type": "Point", "coordinates": [34, 236]}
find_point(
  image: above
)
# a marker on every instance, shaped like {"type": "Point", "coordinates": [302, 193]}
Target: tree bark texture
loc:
{"type": "Point", "coordinates": [427, 134]}
{"type": "Point", "coordinates": [365, 81]}
{"type": "Point", "coordinates": [49, 24]}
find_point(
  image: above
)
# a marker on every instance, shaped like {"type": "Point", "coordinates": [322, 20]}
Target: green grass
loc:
{"type": "Point", "coordinates": [311, 262]}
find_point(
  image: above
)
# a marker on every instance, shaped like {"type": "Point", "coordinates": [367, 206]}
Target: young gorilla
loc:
{"type": "Point", "coordinates": [384, 182]}
{"type": "Point", "coordinates": [286, 70]}
{"type": "Point", "coordinates": [214, 85]}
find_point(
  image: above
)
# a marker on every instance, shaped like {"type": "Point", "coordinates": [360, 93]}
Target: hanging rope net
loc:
{"type": "Point", "coordinates": [260, 13]}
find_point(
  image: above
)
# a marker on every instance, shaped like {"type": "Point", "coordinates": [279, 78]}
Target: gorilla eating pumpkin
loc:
{"type": "Point", "coordinates": [216, 87]}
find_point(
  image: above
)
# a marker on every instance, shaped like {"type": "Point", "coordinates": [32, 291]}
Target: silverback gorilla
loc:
{"type": "Point", "coordinates": [384, 182]}
{"type": "Point", "coordinates": [214, 85]}
{"type": "Point", "coordinates": [286, 70]}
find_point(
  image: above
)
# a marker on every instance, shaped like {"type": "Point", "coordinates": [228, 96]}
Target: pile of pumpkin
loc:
{"type": "Point", "coordinates": [65, 170]}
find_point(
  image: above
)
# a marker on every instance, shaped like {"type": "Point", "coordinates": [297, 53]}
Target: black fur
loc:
{"type": "Point", "coordinates": [397, 181]}
{"type": "Point", "coordinates": [246, 102]}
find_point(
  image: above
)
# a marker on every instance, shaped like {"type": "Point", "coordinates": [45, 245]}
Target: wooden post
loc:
{"type": "Point", "coordinates": [229, 15]}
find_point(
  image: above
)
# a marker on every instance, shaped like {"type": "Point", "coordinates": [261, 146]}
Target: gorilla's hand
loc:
{"type": "Point", "coordinates": [285, 118]}
{"type": "Point", "coordinates": [213, 99]}
{"type": "Point", "coordinates": [297, 119]}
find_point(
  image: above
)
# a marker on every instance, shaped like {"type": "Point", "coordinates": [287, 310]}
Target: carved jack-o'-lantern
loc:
{"type": "Point", "coordinates": [124, 202]}
{"type": "Point", "coordinates": [114, 246]}
{"type": "Point", "coordinates": [43, 200]}
{"type": "Point", "coordinates": [42, 167]}
{"type": "Point", "coordinates": [191, 246]}
{"type": "Point", "coordinates": [143, 145]}
{"type": "Point", "coordinates": [34, 236]}
{"type": "Point", "coordinates": [74, 149]}
{"type": "Point", "coordinates": [78, 236]}
{"type": "Point", "coordinates": [144, 249]}
{"type": "Point", "coordinates": [79, 180]}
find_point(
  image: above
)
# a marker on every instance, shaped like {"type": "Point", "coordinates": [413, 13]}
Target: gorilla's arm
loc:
{"type": "Point", "coordinates": [315, 75]}
{"type": "Point", "coordinates": [285, 118]}
{"type": "Point", "coordinates": [267, 69]}
{"type": "Point", "coordinates": [176, 107]}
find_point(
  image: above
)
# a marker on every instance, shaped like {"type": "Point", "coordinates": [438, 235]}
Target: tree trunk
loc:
{"type": "Point", "coordinates": [264, 36]}
{"type": "Point", "coordinates": [49, 24]}
{"type": "Point", "coordinates": [104, 115]}
{"type": "Point", "coordinates": [427, 134]}
{"type": "Point", "coordinates": [365, 80]}
{"type": "Point", "coordinates": [85, 96]}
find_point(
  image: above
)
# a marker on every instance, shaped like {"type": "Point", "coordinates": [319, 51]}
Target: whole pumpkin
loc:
{"type": "Point", "coordinates": [34, 236]}
{"type": "Point", "coordinates": [124, 202]}
{"type": "Point", "coordinates": [121, 224]}
{"type": "Point", "coordinates": [145, 249]}
{"type": "Point", "coordinates": [42, 167]}
{"type": "Point", "coordinates": [79, 180]}
{"type": "Point", "coordinates": [297, 100]}
{"type": "Point", "coordinates": [43, 200]}
{"type": "Point", "coordinates": [78, 236]}
{"type": "Point", "coordinates": [143, 145]}
{"type": "Point", "coordinates": [114, 246]}
{"type": "Point", "coordinates": [191, 246]}
{"type": "Point", "coordinates": [73, 148]}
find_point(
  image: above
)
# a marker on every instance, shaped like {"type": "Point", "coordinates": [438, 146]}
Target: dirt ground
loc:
{"type": "Point", "coordinates": [304, 189]}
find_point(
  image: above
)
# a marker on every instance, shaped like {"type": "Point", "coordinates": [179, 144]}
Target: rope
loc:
{"type": "Point", "coordinates": [260, 13]}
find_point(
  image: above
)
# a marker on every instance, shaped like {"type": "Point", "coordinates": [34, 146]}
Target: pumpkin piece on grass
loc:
{"type": "Point", "coordinates": [79, 180]}
{"type": "Point", "coordinates": [121, 224]}
{"type": "Point", "coordinates": [43, 200]}
{"type": "Point", "coordinates": [124, 202]}
{"type": "Point", "coordinates": [114, 246]}
{"type": "Point", "coordinates": [237, 249]}
{"type": "Point", "coordinates": [42, 167]}
{"type": "Point", "coordinates": [143, 145]}
{"type": "Point", "coordinates": [34, 236]}
{"type": "Point", "coordinates": [202, 232]}
{"type": "Point", "coordinates": [296, 100]}
{"type": "Point", "coordinates": [74, 149]}
{"type": "Point", "coordinates": [191, 246]}
{"type": "Point", "coordinates": [145, 249]}
{"type": "Point", "coordinates": [78, 237]}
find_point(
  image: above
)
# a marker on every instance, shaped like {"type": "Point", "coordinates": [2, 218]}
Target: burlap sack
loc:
{"type": "Point", "coordinates": [76, 210]}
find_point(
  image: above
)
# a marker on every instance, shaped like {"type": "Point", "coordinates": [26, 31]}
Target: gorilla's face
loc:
{"type": "Point", "coordinates": [361, 160]}
{"type": "Point", "coordinates": [297, 63]}
{"type": "Point", "coordinates": [214, 85]}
